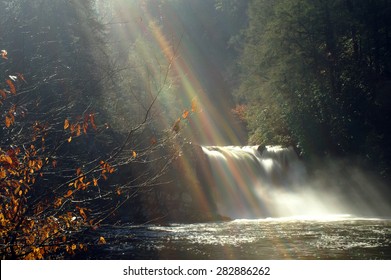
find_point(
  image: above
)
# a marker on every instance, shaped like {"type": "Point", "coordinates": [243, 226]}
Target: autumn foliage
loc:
{"type": "Point", "coordinates": [194, 108]}
{"type": "Point", "coordinates": [52, 191]}
{"type": "Point", "coordinates": [58, 153]}
{"type": "Point", "coordinates": [40, 216]}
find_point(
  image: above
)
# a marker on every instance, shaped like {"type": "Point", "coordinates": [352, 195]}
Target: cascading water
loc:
{"type": "Point", "coordinates": [244, 180]}
{"type": "Point", "coordinates": [260, 182]}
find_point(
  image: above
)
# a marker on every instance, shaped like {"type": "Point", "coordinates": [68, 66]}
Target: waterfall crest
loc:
{"type": "Point", "coordinates": [244, 180]}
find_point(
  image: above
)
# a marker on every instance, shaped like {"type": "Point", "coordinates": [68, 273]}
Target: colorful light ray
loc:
{"type": "Point", "coordinates": [210, 126]}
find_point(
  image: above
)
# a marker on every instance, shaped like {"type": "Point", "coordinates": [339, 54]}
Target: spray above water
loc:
{"type": "Point", "coordinates": [271, 181]}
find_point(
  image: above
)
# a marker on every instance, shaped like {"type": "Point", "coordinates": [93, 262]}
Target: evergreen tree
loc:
{"type": "Point", "coordinates": [314, 75]}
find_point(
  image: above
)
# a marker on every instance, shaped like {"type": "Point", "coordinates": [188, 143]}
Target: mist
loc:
{"type": "Point", "coordinates": [275, 183]}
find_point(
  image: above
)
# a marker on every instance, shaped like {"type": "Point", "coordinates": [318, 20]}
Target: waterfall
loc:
{"type": "Point", "coordinates": [254, 181]}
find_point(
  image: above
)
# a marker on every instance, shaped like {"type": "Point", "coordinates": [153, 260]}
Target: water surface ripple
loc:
{"type": "Point", "coordinates": [331, 237]}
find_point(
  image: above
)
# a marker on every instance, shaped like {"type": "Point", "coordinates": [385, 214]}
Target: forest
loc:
{"type": "Point", "coordinates": [99, 98]}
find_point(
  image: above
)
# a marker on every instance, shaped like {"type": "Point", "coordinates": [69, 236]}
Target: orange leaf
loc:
{"type": "Point", "coordinates": [83, 214]}
{"type": "Point", "coordinates": [16, 191]}
{"type": "Point", "coordinates": [39, 163]}
{"type": "Point", "coordinates": [95, 182]}
{"type": "Point", "coordinates": [69, 193]}
{"type": "Point", "coordinates": [66, 124]}
{"type": "Point", "coordinates": [73, 126]}
{"type": "Point", "coordinates": [58, 202]}
{"type": "Point", "coordinates": [70, 139]}
{"type": "Point", "coordinates": [78, 130]}
{"type": "Point", "coordinates": [85, 126]}
{"type": "Point", "coordinates": [3, 174]}
{"type": "Point", "coordinates": [101, 240]}
{"type": "Point", "coordinates": [8, 121]}
{"type": "Point", "coordinates": [185, 114]}
{"type": "Point", "coordinates": [11, 85]}
{"type": "Point", "coordinates": [134, 154]}
{"type": "Point", "coordinates": [6, 158]}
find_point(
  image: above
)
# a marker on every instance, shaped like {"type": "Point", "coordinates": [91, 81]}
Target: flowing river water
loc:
{"type": "Point", "coordinates": [326, 237]}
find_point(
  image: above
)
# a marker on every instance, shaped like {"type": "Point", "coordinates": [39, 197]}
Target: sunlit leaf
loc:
{"type": "Point", "coordinates": [85, 126]}
{"type": "Point", "coordinates": [58, 202]}
{"type": "Point", "coordinates": [70, 139]}
{"type": "Point", "coordinates": [3, 174]}
{"type": "Point", "coordinates": [11, 86]}
{"type": "Point", "coordinates": [185, 114]}
{"type": "Point", "coordinates": [95, 182]}
{"type": "Point", "coordinates": [82, 213]}
{"type": "Point", "coordinates": [66, 124]}
{"type": "Point", "coordinates": [134, 154]}
{"type": "Point", "coordinates": [78, 130]}
{"type": "Point", "coordinates": [8, 121]}
{"type": "Point", "coordinates": [39, 163]}
{"type": "Point", "coordinates": [69, 193]}
{"type": "Point", "coordinates": [72, 128]}
{"type": "Point", "coordinates": [101, 240]}
{"type": "Point", "coordinates": [6, 158]}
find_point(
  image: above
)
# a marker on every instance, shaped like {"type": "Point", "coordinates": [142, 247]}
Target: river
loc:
{"type": "Point", "coordinates": [305, 237]}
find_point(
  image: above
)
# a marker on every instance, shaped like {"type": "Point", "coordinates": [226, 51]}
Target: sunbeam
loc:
{"type": "Point", "coordinates": [164, 30]}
